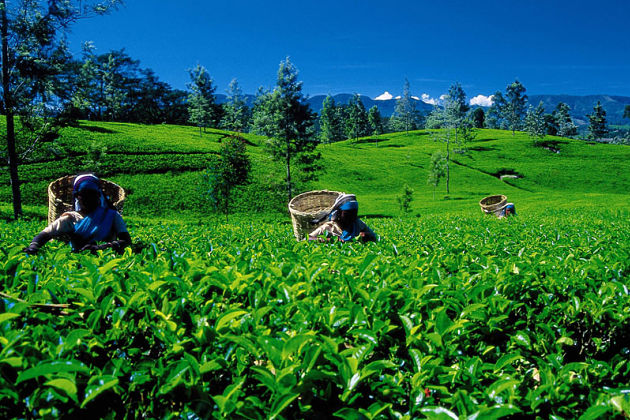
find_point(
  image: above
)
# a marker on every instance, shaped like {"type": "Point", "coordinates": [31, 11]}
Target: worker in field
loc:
{"type": "Point", "coordinates": [94, 225]}
{"type": "Point", "coordinates": [508, 210]}
{"type": "Point", "coordinates": [344, 223]}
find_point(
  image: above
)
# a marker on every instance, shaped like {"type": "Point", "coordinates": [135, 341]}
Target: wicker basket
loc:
{"type": "Point", "coordinates": [306, 207]}
{"type": "Point", "coordinates": [60, 196]}
{"type": "Point", "coordinates": [493, 204]}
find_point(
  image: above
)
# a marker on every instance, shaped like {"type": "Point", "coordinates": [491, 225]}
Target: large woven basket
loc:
{"type": "Point", "coordinates": [306, 207]}
{"type": "Point", "coordinates": [60, 196]}
{"type": "Point", "coordinates": [493, 204]}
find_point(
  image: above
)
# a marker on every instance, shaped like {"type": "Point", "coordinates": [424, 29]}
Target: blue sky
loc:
{"type": "Point", "coordinates": [555, 46]}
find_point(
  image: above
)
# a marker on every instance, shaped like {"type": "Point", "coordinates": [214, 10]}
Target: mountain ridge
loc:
{"type": "Point", "coordinates": [580, 105]}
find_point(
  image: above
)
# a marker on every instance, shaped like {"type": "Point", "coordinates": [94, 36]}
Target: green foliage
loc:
{"type": "Point", "coordinates": [563, 121]}
{"type": "Point", "coordinates": [376, 121]}
{"type": "Point", "coordinates": [236, 113]}
{"type": "Point", "coordinates": [201, 100]}
{"type": "Point", "coordinates": [331, 121]}
{"type": "Point", "coordinates": [95, 156]}
{"type": "Point", "coordinates": [535, 122]}
{"type": "Point", "coordinates": [405, 115]}
{"type": "Point", "coordinates": [356, 118]}
{"type": "Point", "coordinates": [508, 112]}
{"type": "Point", "coordinates": [472, 316]}
{"type": "Point", "coordinates": [597, 122]}
{"type": "Point", "coordinates": [283, 116]}
{"type": "Point", "coordinates": [437, 170]}
{"type": "Point", "coordinates": [231, 169]}
{"type": "Point", "coordinates": [161, 167]}
{"type": "Point", "coordinates": [478, 117]}
{"type": "Point", "coordinates": [404, 200]}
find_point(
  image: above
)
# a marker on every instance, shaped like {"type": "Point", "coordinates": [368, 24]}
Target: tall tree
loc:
{"type": "Point", "coordinates": [376, 121]}
{"type": "Point", "coordinates": [598, 127]}
{"type": "Point", "coordinates": [405, 114]}
{"type": "Point", "coordinates": [236, 113]}
{"type": "Point", "coordinates": [495, 118]}
{"type": "Point", "coordinates": [563, 121]}
{"type": "Point", "coordinates": [330, 122]}
{"type": "Point", "coordinates": [34, 55]}
{"type": "Point", "coordinates": [516, 102]}
{"type": "Point", "coordinates": [201, 98]}
{"type": "Point", "coordinates": [478, 117]}
{"type": "Point", "coordinates": [454, 119]}
{"type": "Point", "coordinates": [357, 123]}
{"type": "Point", "coordinates": [626, 112]}
{"type": "Point", "coordinates": [535, 122]}
{"type": "Point", "coordinates": [287, 120]}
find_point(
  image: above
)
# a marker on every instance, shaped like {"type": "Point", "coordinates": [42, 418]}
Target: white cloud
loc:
{"type": "Point", "coordinates": [428, 99]}
{"type": "Point", "coordinates": [443, 96]}
{"type": "Point", "coordinates": [384, 97]}
{"type": "Point", "coordinates": [415, 97]}
{"type": "Point", "coordinates": [482, 100]}
{"type": "Point", "coordinates": [398, 97]}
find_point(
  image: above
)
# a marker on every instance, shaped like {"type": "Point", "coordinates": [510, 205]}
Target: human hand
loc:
{"type": "Point", "coordinates": [90, 247]}
{"type": "Point", "coordinates": [31, 249]}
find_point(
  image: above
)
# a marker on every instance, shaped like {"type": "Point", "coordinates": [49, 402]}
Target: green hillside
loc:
{"type": "Point", "coordinates": [452, 315]}
{"type": "Point", "coordinates": [161, 167]}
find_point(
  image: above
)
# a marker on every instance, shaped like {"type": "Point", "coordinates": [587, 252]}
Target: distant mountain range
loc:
{"type": "Point", "coordinates": [580, 105]}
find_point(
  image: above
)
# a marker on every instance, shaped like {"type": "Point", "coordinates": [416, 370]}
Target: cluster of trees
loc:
{"type": "Point", "coordinates": [113, 87]}
{"type": "Point", "coordinates": [343, 121]}
{"type": "Point", "coordinates": [510, 111]}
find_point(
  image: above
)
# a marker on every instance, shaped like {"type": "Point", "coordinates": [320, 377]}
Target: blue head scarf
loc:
{"type": "Point", "coordinates": [96, 225]}
{"type": "Point", "coordinates": [355, 228]}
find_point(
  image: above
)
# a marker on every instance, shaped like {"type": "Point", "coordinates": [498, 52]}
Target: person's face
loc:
{"type": "Point", "coordinates": [88, 200]}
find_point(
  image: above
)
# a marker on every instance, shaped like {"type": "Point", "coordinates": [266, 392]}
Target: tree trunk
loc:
{"type": "Point", "coordinates": [448, 163]}
{"type": "Point", "coordinates": [288, 159]}
{"type": "Point", "coordinates": [8, 109]}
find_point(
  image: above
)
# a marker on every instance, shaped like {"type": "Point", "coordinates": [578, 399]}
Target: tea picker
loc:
{"type": "Point", "coordinates": [88, 218]}
{"type": "Point", "coordinates": [497, 205]}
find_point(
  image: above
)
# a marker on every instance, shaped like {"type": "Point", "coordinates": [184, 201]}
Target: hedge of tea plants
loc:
{"type": "Point", "coordinates": [444, 317]}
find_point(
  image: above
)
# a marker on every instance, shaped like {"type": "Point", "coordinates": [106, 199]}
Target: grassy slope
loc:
{"type": "Point", "coordinates": [160, 164]}
{"type": "Point", "coordinates": [581, 174]}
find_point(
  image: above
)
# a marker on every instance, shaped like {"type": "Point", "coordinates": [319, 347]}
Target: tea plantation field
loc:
{"type": "Point", "coordinates": [161, 168]}
{"type": "Point", "coordinates": [445, 317]}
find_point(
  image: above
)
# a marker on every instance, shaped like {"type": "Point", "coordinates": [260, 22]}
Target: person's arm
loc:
{"type": "Point", "coordinates": [38, 241]}
{"type": "Point", "coordinates": [367, 234]}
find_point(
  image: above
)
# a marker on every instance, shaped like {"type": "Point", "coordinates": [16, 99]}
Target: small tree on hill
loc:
{"type": "Point", "coordinates": [516, 101]}
{"type": "Point", "coordinates": [376, 121]}
{"type": "Point", "coordinates": [437, 170]}
{"type": "Point", "coordinates": [231, 169]}
{"type": "Point", "coordinates": [405, 114]}
{"type": "Point", "coordinates": [201, 100]}
{"type": "Point", "coordinates": [404, 200]}
{"type": "Point", "coordinates": [330, 122]}
{"type": "Point", "coordinates": [357, 123]}
{"type": "Point", "coordinates": [598, 127]}
{"type": "Point", "coordinates": [287, 120]}
{"type": "Point", "coordinates": [457, 128]}
{"type": "Point", "coordinates": [626, 112]}
{"type": "Point", "coordinates": [478, 118]}
{"type": "Point", "coordinates": [535, 122]}
{"type": "Point", "coordinates": [563, 121]}
{"type": "Point", "coordinates": [236, 113]}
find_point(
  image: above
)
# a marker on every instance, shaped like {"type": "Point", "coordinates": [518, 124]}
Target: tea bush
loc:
{"type": "Point", "coordinates": [448, 317]}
